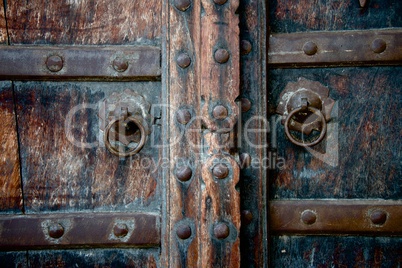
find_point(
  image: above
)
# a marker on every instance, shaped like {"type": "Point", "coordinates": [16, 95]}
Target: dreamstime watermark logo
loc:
{"type": "Point", "coordinates": [245, 136]}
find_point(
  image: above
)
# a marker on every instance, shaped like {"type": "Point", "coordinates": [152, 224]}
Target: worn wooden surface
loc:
{"type": "Point", "coordinates": [366, 142]}
{"type": "Point", "coordinates": [253, 87]}
{"type": "Point", "coordinates": [338, 251]}
{"type": "Point", "coordinates": [10, 179]}
{"type": "Point", "coordinates": [220, 86]}
{"type": "Point", "coordinates": [62, 175]}
{"type": "Point", "coordinates": [94, 258]}
{"type": "Point", "coordinates": [3, 25]}
{"type": "Point", "coordinates": [182, 87]}
{"type": "Point", "coordinates": [329, 15]}
{"type": "Point", "coordinates": [84, 22]}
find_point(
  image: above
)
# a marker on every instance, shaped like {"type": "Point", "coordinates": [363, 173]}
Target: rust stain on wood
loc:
{"type": "Point", "coordinates": [10, 179]}
{"type": "Point", "coordinates": [84, 21]}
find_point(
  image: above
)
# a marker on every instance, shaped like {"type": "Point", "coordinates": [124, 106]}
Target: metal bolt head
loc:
{"type": "Point", "coordinates": [184, 173]}
{"type": "Point", "coordinates": [245, 105]}
{"type": "Point", "coordinates": [222, 55]}
{"type": "Point", "coordinates": [220, 2]}
{"type": "Point", "coordinates": [56, 230]}
{"type": "Point", "coordinates": [246, 216]}
{"type": "Point", "coordinates": [120, 230]}
{"type": "Point", "coordinates": [378, 217]}
{"type": "Point", "coordinates": [54, 63]}
{"type": "Point", "coordinates": [183, 231]}
{"type": "Point", "coordinates": [378, 45]}
{"type": "Point", "coordinates": [220, 112]}
{"type": "Point", "coordinates": [183, 116]}
{"type": "Point", "coordinates": [245, 160]}
{"type": "Point", "coordinates": [310, 48]}
{"type": "Point", "coordinates": [245, 47]}
{"type": "Point", "coordinates": [120, 64]}
{"type": "Point", "coordinates": [182, 5]}
{"type": "Point", "coordinates": [309, 217]}
{"type": "Point", "coordinates": [220, 171]}
{"type": "Point", "coordinates": [183, 60]}
{"type": "Point", "coordinates": [221, 230]}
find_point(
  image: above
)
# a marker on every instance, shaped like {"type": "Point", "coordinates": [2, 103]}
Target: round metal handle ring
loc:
{"type": "Point", "coordinates": [301, 142]}
{"type": "Point", "coordinates": [131, 152]}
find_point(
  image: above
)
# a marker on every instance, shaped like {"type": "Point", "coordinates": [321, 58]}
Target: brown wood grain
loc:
{"type": "Point", "coordinates": [182, 93]}
{"type": "Point", "coordinates": [84, 22]}
{"type": "Point", "coordinates": [10, 179]}
{"type": "Point", "coordinates": [220, 85]}
{"type": "Point", "coordinates": [3, 25]}
{"type": "Point", "coordinates": [59, 172]}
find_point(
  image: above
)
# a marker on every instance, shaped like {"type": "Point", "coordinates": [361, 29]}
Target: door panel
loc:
{"type": "Point", "coordinates": [359, 158]}
{"type": "Point", "coordinates": [331, 15]}
{"type": "Point", "coordinates": [84, 22]}
{"type": "Point", "coordinates": [351, 251]}
{"type": "Point", "coordinates": [65, 165]}
{"type": "Point", "coordinates": [10, 179]}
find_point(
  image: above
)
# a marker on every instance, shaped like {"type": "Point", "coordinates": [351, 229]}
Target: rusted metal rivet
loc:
{"type": "Point", "coordinates": [183, 231]}
{"type": "Point", "coordinates": [120, 65]}
{"type": "Point", "coordinates": [120, 230]}
{"type": "Point", "coordinates": [183, 116]}
{"type": "Point", "coordinates": [54, 63]}
{"type": "Point", "coordinates": [183, 60]}
{"type": "Point", "coordinates": [310, 48]}
{"type": "Point", "coordinates": [245, 46]}
{"type": "Point", "coordinates": [184, 173]}
{"type": "Point", "coordinates": [221, 230]}
{"type": "Point", "coordinates": [220, 171]}
{"type": "Point", "coordinates": [222, 55]}
{"type": "Point", "coordinates": [56, 230]}
{"type": "Point", "coordinates": [245, 105]}
{"type": "Point", "coordinates": [309, 217]}
{"type": "Point", "coordinates": [220, 2]}
{"type": "Point", "coordinates": [220, 112]}
{"type": "Point", "coordinates": [378, 217]}
{"type": "Point", "coordinates": [245, 160]}
{"type": "Point", "coordinates": [247, 216]}
{"type": "Point", "coordinates": [378, 45]}
{"type": "Point", "coordinates": [182, 5]}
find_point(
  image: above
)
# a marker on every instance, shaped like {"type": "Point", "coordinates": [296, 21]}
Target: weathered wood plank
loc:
{"type": "Point", "coordinates": [253, 88]}
{"type": "Point", "coordinates": [68, 168]}
{"type": "Point", "coordinates": [10, 179]}
{"type": "Point", "coordinates": [84, 22]}
{"type": "Point", "coordinates": [95, 258]}
{"type": "Point", "coordinates": [327, 15]}
{"type": "Point", "coordinates": [182, 248]}
{"type": "Point", "coordinates": [360, 158]}
{"type": "Point", "coordinates": [14, 259]}
{"type": "Point", "coordinates": [336, 251]}
{"type": "Point", "coordinates": [3, 25]}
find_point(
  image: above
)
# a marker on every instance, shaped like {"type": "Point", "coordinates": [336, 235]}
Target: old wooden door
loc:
{"type": "Point", "coordinates": [200, 133]}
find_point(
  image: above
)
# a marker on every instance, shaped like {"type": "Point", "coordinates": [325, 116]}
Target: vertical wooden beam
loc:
{"type": "Point", "coordinates": [202, 83]}
{"type": "Point", "coordinates": [181, 76]}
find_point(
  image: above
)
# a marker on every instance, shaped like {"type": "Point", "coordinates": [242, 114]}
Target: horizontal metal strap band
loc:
{"type": "Point", "coordinates": [80, 62]}
{"type": "Point", "coordinates": [344, 216]}
{"type": "Point", "coordinates": [343, 48]}
{"type": "Point", "coordinates": [79, 230]}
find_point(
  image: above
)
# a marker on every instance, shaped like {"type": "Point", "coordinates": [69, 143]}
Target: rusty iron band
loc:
{"type": "Point", "coordinates": [336, 48]}
{"type": "Point", "coordinates": [345, 217]}
{"type": "Point", "coordinates": [80, 63]}
{"type": "Point", "coordinates": [76, 230]}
